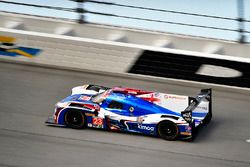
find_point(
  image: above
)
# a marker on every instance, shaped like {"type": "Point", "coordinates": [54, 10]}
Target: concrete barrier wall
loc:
{"type": "Point", "coordinates": [120, 58]}
{"type": "Point", "coordinates": [70, 52]}
{"type": "Point", "coordinates": [123, 57]}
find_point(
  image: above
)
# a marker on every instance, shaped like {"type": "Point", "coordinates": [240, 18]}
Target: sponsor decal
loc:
{"type": "Point", "coordinates": [90, 107]}
{"type": "Point", "coordinates": [121, 97]}
{"type": "Point", "coordinates": [186, 133]}
{"type": "Point", "coordinates": [201, 69]}
{"type": "Point", "coordinates": [218, 71]}
{"type": "Point", "coordinates": [174, 97]}
{"type": "Point", "coordinates": [90, 125]}
{"type": "Point", "coordinates": [9, 48]}
{"type": "Point", "coordinates": [97, 122]}
{"type": "Point", "coordinates": [188, 128]}
{"type": "Point", "coordinates": [84, 98]}
{"type": "Point", "coordinates": [144, 127]}
{"type": "Point", "coordinates": [131, 109]}
{"type": "Point", "coordinates": [202, 107]}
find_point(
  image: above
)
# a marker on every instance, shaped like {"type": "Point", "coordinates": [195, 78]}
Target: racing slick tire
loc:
{"type": "Point", "coordinates": [75, 119]}
{"type": "Point", "coordinates": [168, 130]}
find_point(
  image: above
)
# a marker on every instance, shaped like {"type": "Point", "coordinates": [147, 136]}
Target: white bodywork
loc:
{"type": "Point", "coordinates": [146, 119]}
{"type": "Point", "coordinates": [83, 90]}
{"type": "Point", "coordinates": [177, 103]}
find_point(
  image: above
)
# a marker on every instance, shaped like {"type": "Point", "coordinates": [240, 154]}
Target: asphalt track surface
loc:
{"type": "Point", "coordinates": [28, 95]}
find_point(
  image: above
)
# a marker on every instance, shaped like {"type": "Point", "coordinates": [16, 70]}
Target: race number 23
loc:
{"type": "Point", "coordinates": [97, 121]}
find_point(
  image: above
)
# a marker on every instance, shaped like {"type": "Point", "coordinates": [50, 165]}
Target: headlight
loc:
{"type": "Point", "coordinates": [62, 105]}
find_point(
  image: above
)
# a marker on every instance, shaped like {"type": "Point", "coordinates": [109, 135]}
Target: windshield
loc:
{"type": "Point", "coordinates": [98, 98]}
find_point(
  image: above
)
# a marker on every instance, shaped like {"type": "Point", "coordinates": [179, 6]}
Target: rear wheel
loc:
{"type": "Point", "coordinates": [74, 119]}
{"type": "Point", "coordinates": [168, 130]}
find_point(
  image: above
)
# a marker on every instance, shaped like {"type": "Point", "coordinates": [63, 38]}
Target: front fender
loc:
{"type": "Point", "coordinates": [61, 115]}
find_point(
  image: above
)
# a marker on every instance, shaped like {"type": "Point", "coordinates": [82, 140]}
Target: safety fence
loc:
{"type": "Point", "coordinates": [239, 31]}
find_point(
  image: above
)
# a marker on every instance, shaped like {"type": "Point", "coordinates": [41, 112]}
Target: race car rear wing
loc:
{"type": "Point", "coordinates": [204, 94]}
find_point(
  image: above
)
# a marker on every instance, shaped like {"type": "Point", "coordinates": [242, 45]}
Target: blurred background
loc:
{"type": "Point", "coordinates": [215, 19]}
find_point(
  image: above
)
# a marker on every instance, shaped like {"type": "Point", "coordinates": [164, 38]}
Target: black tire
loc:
{"type": "Point", "coordinates": [207, 118]}
{"type": "Point", "coordinates": [168, 130]}
{"type": "Point", "coordinates": [74, 119]}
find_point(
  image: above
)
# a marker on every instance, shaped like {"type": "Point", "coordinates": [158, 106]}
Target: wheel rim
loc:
{"type": "Point", "coordinates": [74, 119]}
{"type": "Point", "coordinates": [168, 131]}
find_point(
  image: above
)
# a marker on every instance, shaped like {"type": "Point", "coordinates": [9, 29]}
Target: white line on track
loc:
{"type": "Point", "coordinates": [248, 140]}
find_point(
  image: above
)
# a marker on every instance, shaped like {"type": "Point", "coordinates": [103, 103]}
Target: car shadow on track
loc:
{"type": "Point", "coordinates": [106, 131]}
{"type": "Point", "coordinates": [202, 133]}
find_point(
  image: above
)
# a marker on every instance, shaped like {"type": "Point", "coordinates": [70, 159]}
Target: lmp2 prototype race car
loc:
{"type": "Point", "coordinates": [169, 116]}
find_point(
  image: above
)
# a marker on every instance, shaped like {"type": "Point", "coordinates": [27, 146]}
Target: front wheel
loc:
{"type": "Point", "coordinates": [74, 119]}
{"type": "Point", "coordinates": [168, 130]}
